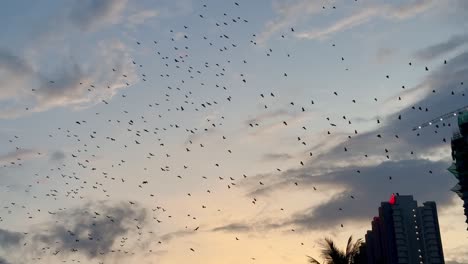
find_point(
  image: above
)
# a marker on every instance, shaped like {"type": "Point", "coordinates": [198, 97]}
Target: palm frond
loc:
{"type": "Point", "coordinates": [333, 255]}
{"type": "Point", "coordinates": [356, 248]}
{"type": "Point", "coordinates": [313, 260]}
{"type": "Point", "coordinates": [349, 246]}
{"type": "Point", "coordinates": [352, 249]}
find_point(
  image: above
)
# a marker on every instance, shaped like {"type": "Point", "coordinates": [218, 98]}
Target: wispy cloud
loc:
{"type": "Point", "coordinates": [92, 230]}
{"type": "Point", "coordinates": [270, 122]}
{"type": "Point", "coordinates": [289, 13]}
{"type": "Point", "coordinates": [9, 239]}
{"type": "Point", "coordinates": [234, 227]}
{"type": "Point", "coordinates": [384, 54]}
{"type": "Point", "coordinates": [276, 156]}
{"type": "Point", "coordinates": [442, 48]}
{"type": "Point", "coordinates": [368, 190]}
{"type": "Point", "coordinates": [352, 174]}
{"type": "Point", "coordinates": [346, 23]}
{"type": "Point", "coordinates": [19, 155]}
{"type": "Point", "coordinates": [90, 14]}
{"type": "Point", "coordinates": [4, 261]}
{"type": "Point", "coordinates": [57, 155]}
{"type": "Point", "coordinates": [366, 14]}
{"type": "Point", "coordinates": [27, 87]}
{"type": "Point", "coordinates": [72, 85]}
{"type": "Point", "coordinates": [177, 234]}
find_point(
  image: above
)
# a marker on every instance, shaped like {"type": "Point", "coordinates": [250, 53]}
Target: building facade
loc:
{"type": "Point", "coordinates": [459, 167]}
{"type": "Point", "coordinates": [404, 233]}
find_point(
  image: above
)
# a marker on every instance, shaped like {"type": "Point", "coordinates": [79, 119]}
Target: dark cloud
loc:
{"type": "Point", "coordinates": [176, 234]}
{"type": "Point", "coordinates": [95, 233]}
{"type": "Point", "coordinates": [57, 155]}
{"type": "Point", "coordinates": [9, 239]}
{"type": "Point", "coordinates": [4, 261]}
{"type": "Point", "coordinates": [372, 186]}
{"type": "Point", "coordinates": [443, 48]}
{"type": "Point", "coordinates": [276, 156]}
{"type": "Point", "coordinates": [411, 8]}
{"type": "Point", "coordinates": [336, 169]}
{"type": "Point", "coordinates": [234, 227]}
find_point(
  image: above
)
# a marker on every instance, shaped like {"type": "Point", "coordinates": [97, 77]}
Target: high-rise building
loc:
{"type": "Point", "coordinates": [404, 233]}
{"type": "Point", "coordinates": [459, 167]}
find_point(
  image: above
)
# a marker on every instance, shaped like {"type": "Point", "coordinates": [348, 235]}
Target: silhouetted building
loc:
{"type": "Point", "coordinates": [404, 233]}
{"type": "Point", "coordinates": [460, 156]}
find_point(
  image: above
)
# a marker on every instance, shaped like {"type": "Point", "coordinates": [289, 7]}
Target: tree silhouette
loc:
{"type": "Point", "coordinates": [333, 255]}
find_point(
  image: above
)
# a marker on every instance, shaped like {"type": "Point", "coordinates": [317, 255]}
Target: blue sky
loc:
{"type": "Point", "coordinates": [81, 82]}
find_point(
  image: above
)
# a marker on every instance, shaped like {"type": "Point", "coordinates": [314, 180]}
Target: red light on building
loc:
{"type": "Point", "coordinates": [392, 199]}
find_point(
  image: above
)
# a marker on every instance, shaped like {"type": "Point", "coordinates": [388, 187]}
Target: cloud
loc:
{"type": "Point", "coordinates": [18, 155]}
{"type": "Point", "coordinates": [265, 117]}
{"type": "Point", "coordinates": [14, 71]}
{"type": "Point", "coordinates": [71, 85]}
{"type": "Point", "coordinates": [4, 261]}
{"type": "Point", "coordinates": [443, 48]}
{"type": "Point", "coordinates": [344, 24]}
{"type": "Point", "coordinates": [337, 170]}
{"type": "Point", "coordinates": [141, 16]}
{"type": "Point", "coordinates": [234, 227]}
{"type": "Point", "coordinates": [92, 14]}
{"type": "Point", "coordinates": [43, 74]}
{"type": "Point", "coordinates": [276, 156]}
{"type": "Point", "coordinates": [411, 8]}
{"type": "Point", "coordinates": [175, 8]}
{"type": "Point", "coordinates": [368, 13]}
{"type": "Point", "coordinates": [57, 155]}
{"type": "Point", "coordinates": [272, 121]}
{"type": "Point", "coordinates": [176, 234]}
{"type": "Point", "coordinates": [81, 229]}
{"type": "Point", "coordinates": [290, 12]}
{"type": "Point", "coordinates": [370, 187]}
{"type": "Point", "coordinates": [384, 54]}
{"type": "Point", "coordinates": [9, 239]}
{"type": "Point", "coordinates": [76, 17]}
{"type": "Point", "coordinates": [458, 255]}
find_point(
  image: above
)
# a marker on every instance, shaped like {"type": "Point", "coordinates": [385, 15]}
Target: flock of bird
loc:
{"type": "Point", "coordinates": [82, 177]}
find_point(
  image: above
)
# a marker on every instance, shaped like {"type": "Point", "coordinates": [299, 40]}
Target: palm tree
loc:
{"type": "Point", "coordinates": [333, 255]}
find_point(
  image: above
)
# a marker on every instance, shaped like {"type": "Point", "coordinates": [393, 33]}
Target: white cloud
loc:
{"type": "Point", "coordinates": [343, 24]}
{"type": "Point", "coordinates": [293, 13]}
{"type": "Point", "coordinates": [69, 85]}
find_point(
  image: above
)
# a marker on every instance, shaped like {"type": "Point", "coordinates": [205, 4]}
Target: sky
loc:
{"type": "Point", "coordinates": [204, 131]}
